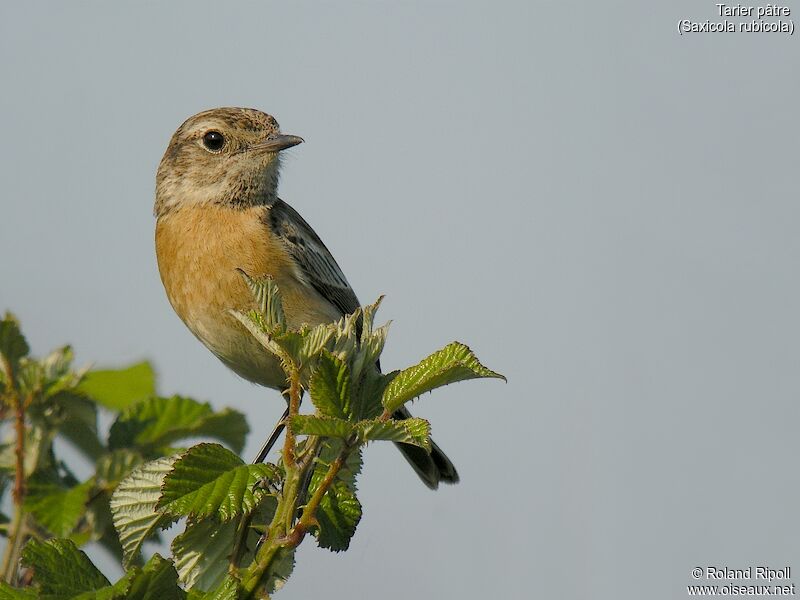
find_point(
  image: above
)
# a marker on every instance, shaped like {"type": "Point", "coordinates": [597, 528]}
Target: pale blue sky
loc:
{"type": "Point", "coordinates": [604, 210]}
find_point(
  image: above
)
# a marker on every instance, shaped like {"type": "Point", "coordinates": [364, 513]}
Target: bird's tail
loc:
{"type": "Point", "coordinates": [431, 468]}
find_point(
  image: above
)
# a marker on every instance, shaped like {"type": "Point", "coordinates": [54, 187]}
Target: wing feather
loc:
{"type": "Point", "coordinates": [316, 265]}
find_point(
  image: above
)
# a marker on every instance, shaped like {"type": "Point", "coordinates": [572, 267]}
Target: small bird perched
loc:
{"type": "Point", "coordinates": [218, 213]}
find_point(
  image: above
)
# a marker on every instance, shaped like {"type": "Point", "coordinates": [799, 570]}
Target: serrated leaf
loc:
{"type": "Point", "coordinates": [368, 312]}
{"type": "Point", "coordinates": [211, 480]}
{"type": "Point", "coordinates": [314, 341]}
{"type": "Point", "coordinates": [347, 473]}
{"type": "Point", "coordinates": [323, 426]}
{"type": "Point", "coordinates": [302, 346]}
{"type": "Point", "coordinates": [61, 570]}
{"type": "Point", "coordinates": [29, 375]}
{"type": "Point", "coordinates": [56, 368]}
{"type": "Point", "coordinates": [11, 593]}
{"type": "Point", "coordinates": [98, 525]}
{"type": "Point", "coordinates": [454, 362]}
{"type": "Point", "coordinates": [133, 505]}
{"type": "Point", "coordinates": [228, 590]}
{"type": "Point", "coordinates": [410, 431]}
{"type": "Point", "coordinates": [373, 345]}
{"type": "Point", "coordinates": [338, 515]}
{"type": "Point", "coordinates": [158, 580]}
{"type": "Point", "coordinates": [371, 341]}
{"type": "Point", "coordinates": [157, 422]}
{"type": "Point", "coordinates": [112, 468]}
{"type": "Point", "coordinates": [280, 570]}
{"type": "Point", "coordinates": [55, 507]}
{"type": "Point", "coordinates": [227, 425]}
{"type": "Point", "coordinates": [268, 299]}
{"type": "Point", "coordinates": [339, 512]}
{"type": "Point", "coordinates": [346, 335]}
{"type": "Point", "coordinates": [330, 387]}
{"type": "Point", "coordinates": [13, 345]}
{"type": "Point", "coordinates": [367, 394]}
{"type": "Point", "coordinates": [203, 550]}
{"type": "Point", "coordinates": [118, 389]}
{"type": "Point", "coordinates": [36, 436]}
{"type": "Point", "coordinates": [255, 323]}
{"type": "Point", "coordinates": [79, 425]}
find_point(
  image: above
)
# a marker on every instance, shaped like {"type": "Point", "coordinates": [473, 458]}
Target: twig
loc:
{"type": "Point", "coordinates": [17, 531]}
{"type": "Point", "coordinates": [294, 408]}
{"type": "Point", "coordinates": [19, 472]}
{"type": "Point", "coordinates": [281, 532]}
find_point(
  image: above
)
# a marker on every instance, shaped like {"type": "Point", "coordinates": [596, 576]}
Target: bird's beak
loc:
{"type": "Point", "coordinates": [276, 143]}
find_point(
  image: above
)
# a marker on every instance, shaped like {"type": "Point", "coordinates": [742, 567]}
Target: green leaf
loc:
{"type": "Point", "coordinates": [29, 375]}
{"type": "Point", "coordinates": [348, 472]}
{"type": "Point", "coordinates": [338, 515]}
{"type": "Point", "coordinates": [228, 590]}
{"type": "Point", "coordinates": [157, 422]}
{"type": "Point", "coordinates": [280, 570]}
{"type": "Point", "coordinates": [112, 468]}
{"type": "Point", "coordinates": [410, 431]}
{"type": "Point", "coordinates": [255, 323]}
{"type": "Point", "coordinates": [79, 425]}
{"type": "Point", "coordinates": [209, 479]}
{"type": "Point", "coordinates": [345, 336]}
{"type": "Point", "coordinates": [268, 298]}
{"type": "Point", "coordinates": [202, 552]}
{"type": "Point", "coordinates": [13, 345]}
{"type": "Point", "coordinates": [133, 505]}
{"type": "Point", "coordinates": [315, 340]}
{"type": "Point", "coordinates": [323, 426]}
{"type": "Point", "coordinates": [371, 341]}
{"type": "Point", "coordinates": [61, 570]}
{"type": "Point", "coordinates": [98, 525]}
{"type": "Point", "coordinates": [304, 345]}
{"type": "Point", "coordinates": [119, 388]}
{"type": "Point", "coordinates": [340, 511]}
{"type": "Point", "coordinates": [11, 593]}
{"type": "Point", "coordinates": [367, 393]}
{"type": "Point", "coordinates": [228, 425]}
{"type": "Point", "coordinates": [56, 368]}
{"type": "Point", "coordinates": [330, 387]}
{"type": "Point", "coordinates": [36, 436]}
{"type": "Point", "coordinates": [56, 507]}
{"type": "Point", "coordinates": [454, 362]}
{"type": "Point", "coordinates": [158, 580]}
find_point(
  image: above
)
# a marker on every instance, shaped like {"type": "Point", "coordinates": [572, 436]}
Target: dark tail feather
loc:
{"type": "Point", "coordinates": [431, 468]}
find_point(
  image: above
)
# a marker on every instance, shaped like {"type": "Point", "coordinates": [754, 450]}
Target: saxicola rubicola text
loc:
{"type": "Point", "coordinates": [217, 212]}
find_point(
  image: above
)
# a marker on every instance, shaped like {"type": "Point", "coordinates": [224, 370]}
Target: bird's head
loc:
{"type": "Point", "coordinates": [222, 156]}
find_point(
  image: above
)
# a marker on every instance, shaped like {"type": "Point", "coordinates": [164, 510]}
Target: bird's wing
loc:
{"type": "Point", "coordinates": [317, 268]}
{"type": "Point", "coordinates": [316, 265]}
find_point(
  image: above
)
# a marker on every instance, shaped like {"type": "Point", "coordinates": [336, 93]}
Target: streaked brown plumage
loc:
{"type": "Point", "coordinates": [217, 211]}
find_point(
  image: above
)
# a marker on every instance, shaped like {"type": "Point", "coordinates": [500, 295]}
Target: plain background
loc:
{"type": "Point", "coordinates": [604, 210]}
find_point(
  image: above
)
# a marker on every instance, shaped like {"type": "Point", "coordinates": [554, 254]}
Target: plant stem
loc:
{"type": "Point", "coordinates": [283, 533]}
{"type": "Point", "coordinates": [17, 532]}
{"type": "Point", "coordinates": [294, 408]}
{"type": "Point", "coordinates": [19, 429]}
{"type": "Point", "coordinates": [14, 547]}
{"type": "Point", "coordinates": [309, 517]}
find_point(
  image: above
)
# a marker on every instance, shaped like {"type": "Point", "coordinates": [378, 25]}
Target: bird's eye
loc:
{"type": "Point", "coordinates": [213, 141]}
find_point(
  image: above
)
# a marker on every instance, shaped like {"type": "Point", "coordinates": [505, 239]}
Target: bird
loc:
{"type": "Point", "coordinates": [218, 214]}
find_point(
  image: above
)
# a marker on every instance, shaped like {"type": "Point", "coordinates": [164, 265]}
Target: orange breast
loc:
{"type": "Point", "coordinates": [199, 251]}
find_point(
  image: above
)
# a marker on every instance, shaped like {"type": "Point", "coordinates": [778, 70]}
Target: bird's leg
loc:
{"type": "Point", "coordinates": [273, 437]}
{"type": "Point", "coordinates": [304, 487]}
{"type": "Point", "coordinates": [262, 454]}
